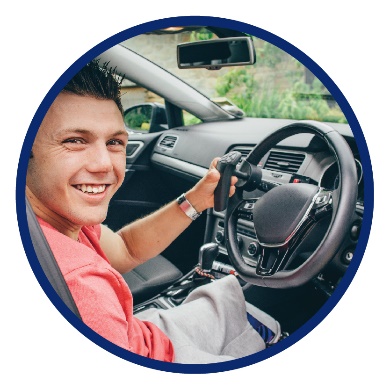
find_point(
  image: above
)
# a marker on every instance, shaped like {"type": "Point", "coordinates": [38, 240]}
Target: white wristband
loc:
{"type": "Point", "coordinates": [187, 207]}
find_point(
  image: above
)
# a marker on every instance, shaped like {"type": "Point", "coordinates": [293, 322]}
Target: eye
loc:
{"type": "Point", "coordinates": [116, 145]}
{"type": "Point", "coordinates": [74, 144]}
{"type": "Point", "coordinates": [74, 141]}
{"type": "Point", "coordinates": [115, 142]}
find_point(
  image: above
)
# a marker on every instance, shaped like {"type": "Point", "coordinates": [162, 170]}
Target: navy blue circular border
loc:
{"type": "Point", "coordinates": [368, 194]}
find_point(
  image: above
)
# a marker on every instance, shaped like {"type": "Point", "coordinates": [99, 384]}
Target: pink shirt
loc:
{"type": "Point", "coordinates": [102, 296]}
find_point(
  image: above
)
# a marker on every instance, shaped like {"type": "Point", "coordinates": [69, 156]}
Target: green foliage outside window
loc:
{"type": "Point", "coordinates": [299, 101]}
{"type": "Point", "coordinates": [190, 119]}
{"type": "Point", "coordinates": [201, 35]}
{"type": "Point", "coordinates": [135, 122]}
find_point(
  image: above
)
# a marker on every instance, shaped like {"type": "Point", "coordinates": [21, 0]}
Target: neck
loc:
{"type": "Point", "coordinates": [49, 216]}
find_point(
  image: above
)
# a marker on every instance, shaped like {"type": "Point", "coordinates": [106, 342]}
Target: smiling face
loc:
{"type": "Point", "coordinates": [78, 163]}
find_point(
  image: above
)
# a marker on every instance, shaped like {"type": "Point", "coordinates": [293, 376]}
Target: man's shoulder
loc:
{"type": "Point", "coordinates": [70, 254]}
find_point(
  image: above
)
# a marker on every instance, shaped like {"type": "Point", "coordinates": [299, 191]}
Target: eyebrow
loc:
{"type": "Point", "coordinates": [84, 131]}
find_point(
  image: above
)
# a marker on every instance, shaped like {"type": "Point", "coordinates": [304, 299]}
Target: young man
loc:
{"type": "Point", "coordinates": [77, 164]}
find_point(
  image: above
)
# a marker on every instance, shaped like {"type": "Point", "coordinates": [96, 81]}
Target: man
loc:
{"type": "Point", "coordinates": [77, 164]}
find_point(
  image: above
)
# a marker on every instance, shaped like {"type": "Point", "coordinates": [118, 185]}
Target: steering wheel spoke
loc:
{"type": "Point", "coordinates": [323, 205]}
{"type": "Point", "coordinates": [271, 260]}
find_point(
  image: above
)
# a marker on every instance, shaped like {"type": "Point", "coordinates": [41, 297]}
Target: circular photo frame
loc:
{"type": "Point", "coordinates": [318, 72]}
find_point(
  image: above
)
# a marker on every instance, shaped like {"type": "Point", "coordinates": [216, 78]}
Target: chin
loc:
{"type": "Point", "coordinates": [90, 219]}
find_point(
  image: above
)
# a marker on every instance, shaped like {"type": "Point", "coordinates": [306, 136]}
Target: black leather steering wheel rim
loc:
{"type": "Point", "coordinates": [343, 209]}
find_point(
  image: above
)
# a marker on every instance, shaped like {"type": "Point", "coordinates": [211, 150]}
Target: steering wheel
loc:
{"type": "Point", "coordinates": [286, 215]}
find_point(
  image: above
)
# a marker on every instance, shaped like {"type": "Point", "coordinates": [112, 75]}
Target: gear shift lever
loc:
{"type": "Point", "coordinates": [207, 254]}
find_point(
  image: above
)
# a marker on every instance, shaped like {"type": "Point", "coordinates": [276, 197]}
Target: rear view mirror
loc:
{"type": "Point", "coordinates": [216, 53]}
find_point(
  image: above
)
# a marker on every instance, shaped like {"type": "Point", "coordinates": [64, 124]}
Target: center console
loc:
{"type": "Point", "coordinates": [212, 264]}
{"type": "Point", "coordinates": [176, 293]}
{"type": "Point", "coordinates": [246, 238]}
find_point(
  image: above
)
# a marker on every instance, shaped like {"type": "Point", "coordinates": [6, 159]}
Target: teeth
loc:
{"type": "Point", "coordinates": [91, 189]}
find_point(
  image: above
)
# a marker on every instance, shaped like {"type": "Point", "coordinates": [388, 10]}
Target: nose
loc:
{"type": "Point", "coordinates": [99, 159]}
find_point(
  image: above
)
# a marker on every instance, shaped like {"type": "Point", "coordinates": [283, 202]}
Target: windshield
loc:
{"type": "Point", "coordinates": [276, 86]}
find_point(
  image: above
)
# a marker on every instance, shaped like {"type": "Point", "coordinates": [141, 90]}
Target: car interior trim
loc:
{"type": "Point", "coordinates": [171, 163]}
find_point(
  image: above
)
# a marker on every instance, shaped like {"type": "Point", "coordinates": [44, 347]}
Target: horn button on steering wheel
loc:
{"type": "Point", "coordinates": [279, 213]}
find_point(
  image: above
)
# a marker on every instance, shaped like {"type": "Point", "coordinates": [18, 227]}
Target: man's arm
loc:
{"type": "Point", "coordinates": [147, 237]}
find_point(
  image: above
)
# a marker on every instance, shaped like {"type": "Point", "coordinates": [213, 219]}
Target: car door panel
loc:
{"type": "Point", "coordinates": [141, 191]}
{"type": "Point", "coordinates": [145, 189]}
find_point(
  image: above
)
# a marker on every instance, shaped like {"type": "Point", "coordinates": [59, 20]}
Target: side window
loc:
{"type": "Point", "coordinates": [190, 119]}
{"type": "Point", "coordinates": [144, 111]}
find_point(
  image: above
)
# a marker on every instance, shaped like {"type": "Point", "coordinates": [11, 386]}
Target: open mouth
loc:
{"type": "Point", "coordinates": [91, 189]}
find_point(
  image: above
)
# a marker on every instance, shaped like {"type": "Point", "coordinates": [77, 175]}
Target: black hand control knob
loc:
{"type": "Point", "coordinates": [207, 254]}
{"type": "Point", "coordinates": [226, 166]}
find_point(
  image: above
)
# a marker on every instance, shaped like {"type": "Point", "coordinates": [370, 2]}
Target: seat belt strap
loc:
{"type": "Point", "coordinates": [48, 262]}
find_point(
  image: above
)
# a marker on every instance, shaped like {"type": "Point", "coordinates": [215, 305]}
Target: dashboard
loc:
{"type": "Point", "coordinates": [303, 158]}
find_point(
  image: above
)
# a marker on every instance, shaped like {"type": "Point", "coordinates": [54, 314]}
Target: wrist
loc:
{"type": "Point", "coordinates": [186, 206]}
{"type": "Point", "coordinates": [197, 202]}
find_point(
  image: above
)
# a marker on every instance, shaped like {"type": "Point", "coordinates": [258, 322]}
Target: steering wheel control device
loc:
{"type": "Point", "coordinates": [249, 178]}
{"type": "Point", "coordinates": [226, 167]}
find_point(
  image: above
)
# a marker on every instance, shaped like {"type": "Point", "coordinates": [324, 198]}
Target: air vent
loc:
{"type": "Point", "coordinates": [168, 142]}
{"type": "Point", "coordinates": [284, 161]}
